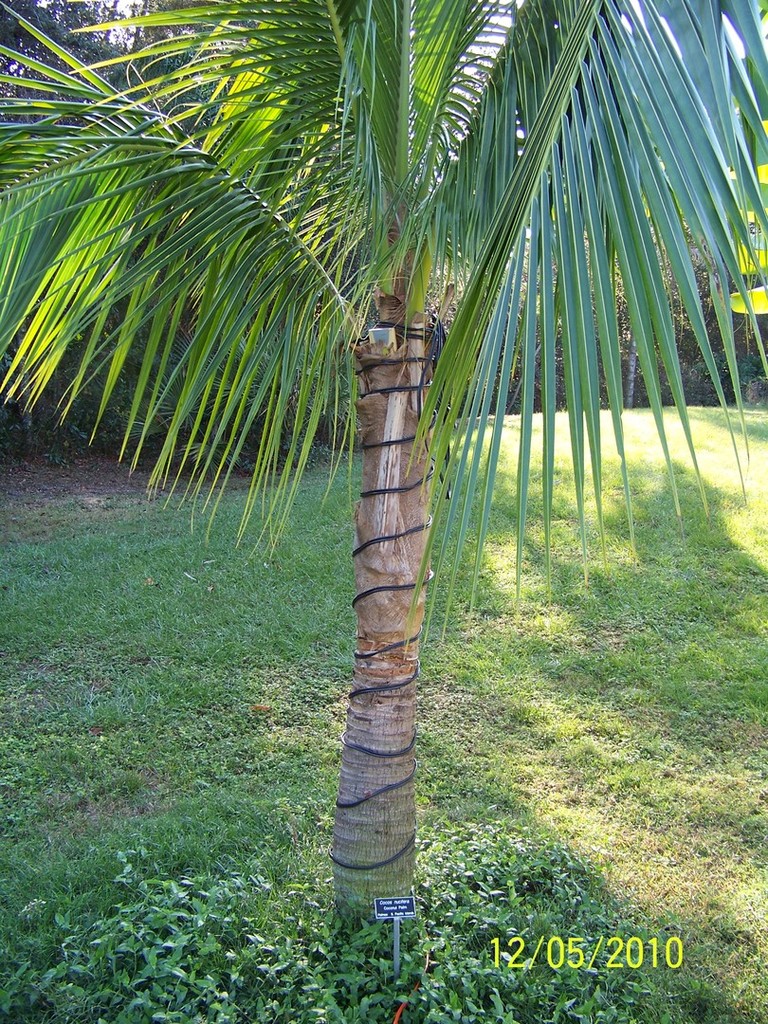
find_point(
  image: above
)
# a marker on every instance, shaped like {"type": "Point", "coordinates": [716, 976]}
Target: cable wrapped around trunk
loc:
{"type": "Point", "coordinates": [427, 362]}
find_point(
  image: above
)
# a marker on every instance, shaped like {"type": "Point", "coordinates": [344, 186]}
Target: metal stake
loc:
{"type": "Point", "coordinates": [397, 949]}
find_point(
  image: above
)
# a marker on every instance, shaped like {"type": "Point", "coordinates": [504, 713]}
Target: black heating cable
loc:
{"type": "Point", "coordinates": [437, 341]}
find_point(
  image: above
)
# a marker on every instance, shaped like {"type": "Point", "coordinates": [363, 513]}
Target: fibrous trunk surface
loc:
{"type": "Point", "coordinates": [373, 848]}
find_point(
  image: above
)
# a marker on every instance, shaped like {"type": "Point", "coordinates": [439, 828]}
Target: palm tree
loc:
{"type": "Point", "coordinates": [292, 162]}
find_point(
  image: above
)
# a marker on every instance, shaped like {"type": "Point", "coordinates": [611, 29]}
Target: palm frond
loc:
{"type": "Point", "coordinates": [113, 209]}
{"type": "Point", "coordinates": [637, 156]}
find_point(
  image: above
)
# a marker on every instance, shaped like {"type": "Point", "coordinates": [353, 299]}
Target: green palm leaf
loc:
{"type": "Point", "coordinates": [649, 169]}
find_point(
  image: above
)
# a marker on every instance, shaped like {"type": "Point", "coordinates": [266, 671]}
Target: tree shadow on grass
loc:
{"type": "Point", "coordinates": [630, 717]}
{"type": "Point", "coordinates": [757, 423]}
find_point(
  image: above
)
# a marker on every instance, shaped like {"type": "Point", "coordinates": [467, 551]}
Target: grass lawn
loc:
{"type": "Point", "coordinates": [171, 707]}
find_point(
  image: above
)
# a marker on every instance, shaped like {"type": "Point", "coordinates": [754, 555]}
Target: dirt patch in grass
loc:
{"type": "Point", "coordinates": [91, 479]}
{"type": "Point", "coordinates": [39, 500]}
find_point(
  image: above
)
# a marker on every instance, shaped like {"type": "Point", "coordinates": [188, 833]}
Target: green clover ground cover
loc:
{"type": "Point", "coordinates": [592, 764]}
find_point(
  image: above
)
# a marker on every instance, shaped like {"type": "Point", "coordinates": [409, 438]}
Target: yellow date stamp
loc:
{"type": "Point", "coordinates": [577, 953]}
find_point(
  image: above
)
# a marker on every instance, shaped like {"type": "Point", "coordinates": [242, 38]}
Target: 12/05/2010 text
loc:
{"type": "Point", "coordinates": [577, 952]}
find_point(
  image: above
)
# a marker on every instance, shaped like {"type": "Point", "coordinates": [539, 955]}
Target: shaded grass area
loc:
{"type": "Point", "coordinates": [178, 696]}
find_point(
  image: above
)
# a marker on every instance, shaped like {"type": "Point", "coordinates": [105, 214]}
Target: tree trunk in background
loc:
{"type": "Point", "coordinates": [374, 834]}
{"type": "Point", "coordinates": [629, 397]}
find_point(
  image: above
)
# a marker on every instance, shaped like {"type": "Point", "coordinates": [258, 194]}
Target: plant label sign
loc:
{"type": "Point", "coordinates": [395, 908]}
{"type": "Point", "coordinates": [389, 907]}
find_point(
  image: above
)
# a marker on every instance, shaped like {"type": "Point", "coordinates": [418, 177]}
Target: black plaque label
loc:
{"type": "Point", "coordinates": [394, 906]}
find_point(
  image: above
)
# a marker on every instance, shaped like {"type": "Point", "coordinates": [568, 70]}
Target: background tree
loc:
{"type": "Point", "coordinates": [299, 159]}
{"type": "Point", "coordinates": [59, 20]}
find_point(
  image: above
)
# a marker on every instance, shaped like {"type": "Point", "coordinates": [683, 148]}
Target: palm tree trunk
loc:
{"type": "Point", "coordinates": [373, 842]}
